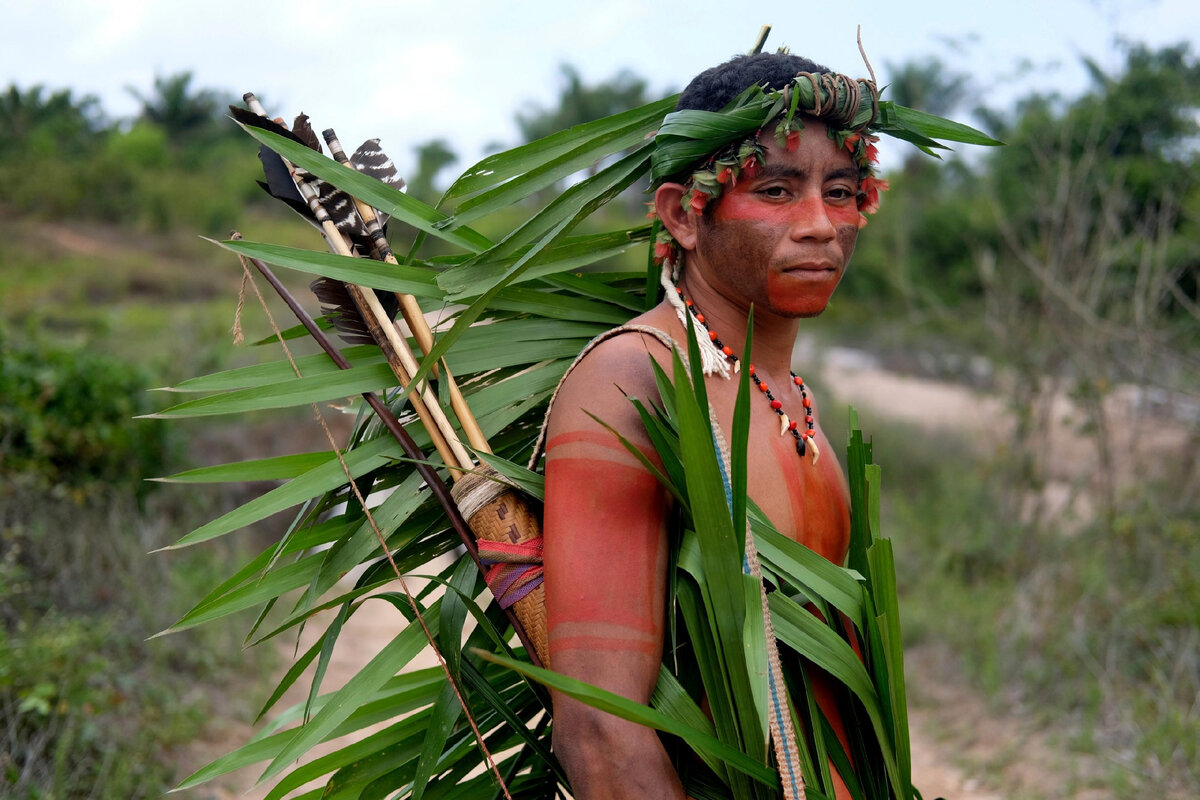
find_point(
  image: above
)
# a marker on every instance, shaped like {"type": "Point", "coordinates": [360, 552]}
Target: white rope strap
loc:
{"type": "Point", "coordinates": [779, 717]}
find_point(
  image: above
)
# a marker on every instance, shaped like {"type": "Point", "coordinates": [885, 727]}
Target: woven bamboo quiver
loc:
{"type": "Point", "coordinates": [498, 512]}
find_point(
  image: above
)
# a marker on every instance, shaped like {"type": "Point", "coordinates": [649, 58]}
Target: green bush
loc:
{"type": "Point", "coordinates": [67, 417]}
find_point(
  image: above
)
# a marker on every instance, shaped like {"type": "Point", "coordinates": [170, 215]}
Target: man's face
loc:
{"type": "Point", "coordinates": [781, 240]}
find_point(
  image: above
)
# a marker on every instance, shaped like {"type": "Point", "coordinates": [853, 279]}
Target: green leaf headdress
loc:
{"type": "Point", "coordinates": [709, 150]}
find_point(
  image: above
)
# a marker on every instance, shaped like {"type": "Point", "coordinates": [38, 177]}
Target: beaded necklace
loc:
{"type": "Point", "coordinates": [806, 439]}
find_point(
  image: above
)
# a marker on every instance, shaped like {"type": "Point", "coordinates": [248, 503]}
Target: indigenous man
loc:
{"type": "Point", "coordinates": [768, 223]}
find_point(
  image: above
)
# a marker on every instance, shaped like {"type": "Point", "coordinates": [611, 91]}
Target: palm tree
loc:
{"type": "Point", "coordinates": [174, 106]}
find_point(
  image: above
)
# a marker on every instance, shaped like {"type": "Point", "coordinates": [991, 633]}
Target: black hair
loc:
{"type": "Point", "coordinates": [712, 89]}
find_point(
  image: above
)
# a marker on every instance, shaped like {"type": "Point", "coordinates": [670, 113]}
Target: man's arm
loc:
{"type": "Point", "coordinates": [606, 558]}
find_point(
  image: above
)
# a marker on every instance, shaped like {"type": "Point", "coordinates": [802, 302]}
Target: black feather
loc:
{"type": "Point", "coordinates": [304, 130]}
{"type": "Point", "coordinates": [282, 186]}
{"type": "Point", "coordinates": [252, 120]}
{"type": "Point", "coordinates": [296, 203]}
{"type": "Point", "coordinates": [339, 308]}
{"type": "Point", "coordinates": [370, 160]}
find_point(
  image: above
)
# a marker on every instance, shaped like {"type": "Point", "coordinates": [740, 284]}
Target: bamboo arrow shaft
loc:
{"type": "Point", "coordinates": [411, 310]}
{"type": "Point", "coordinates": [396, 350]}
{"type": "Point", "coordinates": [427, 472]}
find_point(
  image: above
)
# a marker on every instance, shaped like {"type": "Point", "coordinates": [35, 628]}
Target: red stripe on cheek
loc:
{"type": "Point", "coordinates": [605, 547]}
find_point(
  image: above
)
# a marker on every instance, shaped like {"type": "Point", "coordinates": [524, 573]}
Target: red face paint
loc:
{"type": "Point", "coordinates": [782, 239]}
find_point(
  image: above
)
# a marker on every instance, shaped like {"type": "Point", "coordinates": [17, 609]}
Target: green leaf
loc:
{"type": "Point", "coordinates": [397, 743]}
{"type": "Point", "coordinates": [320, 479]}
{"type": "Point", "coordinates": [672, 699]}
{"type": "Point", "coordinates": [832, 583]}
{"type": "Point", "coordinates": [362, 271]}
{"type": "Point", "coordinates": [463, 584]}
{"type": "Point", "coordinates": [501, 167]}
{"type": "Point", "coordinates": [394, 655]}
{"type": "Point", "coordinates": [446, 712]}
{"type": "Point", "coordinates": [643, 715]}
{"type": "Point", "coordinates": [275, 371]}
{"type": "Point", "coordinates": [807, 635]}
{"type": "Point", "coordinates": [530, 482]}
{"type": "Point", "coordinates": [572, 253]}
{"type": "Point", "coordinates": [936, 127]}
{"type": "Point", "coordinates": [327, 644]}
{"type": "Point", "coordinates": [375, 193]}
{"type": "Point", "coordinates": [285, 394]}
{"type": "Point", "coordinates": [275, 468]}
{"type": "Point", "coordinates": [402, 694]}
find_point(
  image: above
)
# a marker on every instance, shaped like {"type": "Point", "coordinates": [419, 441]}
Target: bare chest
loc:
{"type": "Point", "coordinates": [806, 502]}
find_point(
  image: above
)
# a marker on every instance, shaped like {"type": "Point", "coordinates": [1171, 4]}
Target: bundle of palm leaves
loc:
{"type": "Point", "coordinates": [518, 309]}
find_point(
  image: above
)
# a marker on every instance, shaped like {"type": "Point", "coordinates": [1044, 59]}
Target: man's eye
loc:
{"type": "Point", "coordinates": [840, 193]}
{"type": "Point", "coordinates": [774, 191]}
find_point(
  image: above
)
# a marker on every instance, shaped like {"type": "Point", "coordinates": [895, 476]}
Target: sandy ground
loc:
{"type": "Point", "coordinates": [960, 744]}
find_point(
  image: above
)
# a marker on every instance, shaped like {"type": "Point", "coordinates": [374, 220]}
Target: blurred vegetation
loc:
{"type": "Point", "coordinates": [100, 259]}
{"type": "Point", "coordinates": [88, 706]}
{"type": "Point", "coordinates": [179, 163]}
{"type": "Point", "coordinates": [1065, 264]}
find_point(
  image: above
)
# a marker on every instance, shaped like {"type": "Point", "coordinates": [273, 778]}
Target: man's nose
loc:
{"type": "Point", "coordinates": [811, 219]}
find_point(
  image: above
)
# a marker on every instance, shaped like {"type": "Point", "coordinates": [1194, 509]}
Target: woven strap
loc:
{"type": "Point", "coordinates": [508, 531]}
{"type": "Point", "coordinates": [779, 717]}
{"type": "Point", "coordinates": [514, 568]}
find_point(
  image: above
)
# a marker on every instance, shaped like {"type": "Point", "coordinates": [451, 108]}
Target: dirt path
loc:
{"type": "Point", "coordinates": [363, 635]}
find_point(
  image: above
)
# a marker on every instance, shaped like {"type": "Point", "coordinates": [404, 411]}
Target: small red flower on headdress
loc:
{"type": "Point", "coordinates": [793, 140]}
{"type": "Point", "coordinates": [699, 201]}
{"type": "Point", "coordinates": [726, 176]}
{"type": "Point", "coordinates": [750, 167]}
{"type": "Point", "coordinates": [851, 142]}
{"type": "Point", "coordinates": [872, 154]}
{"type": "Point", "coordinates": [871, 187]}
{"type": "Point", "coordinates": [651, 210]}
{"type": "Point", "coordinates": [662, 251]}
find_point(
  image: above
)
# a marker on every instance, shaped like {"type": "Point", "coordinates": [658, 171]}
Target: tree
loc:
{"type": "Point", "coordinates": [179, 110]}
{"type": "Point", "coordinates": [55, 121]}
{"type": "Point", "coordinates": [432, 157]}
{"type": "Point", "coordinates": [579, 103]}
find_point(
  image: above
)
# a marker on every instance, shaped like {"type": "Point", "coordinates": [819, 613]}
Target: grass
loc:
{"type": "Point", "coordinates": [1094, 633]}
{"type": "Point", "coordinates": [89, 707]}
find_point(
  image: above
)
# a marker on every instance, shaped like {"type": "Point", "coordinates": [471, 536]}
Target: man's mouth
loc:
{"type": "Point", "coordinates": [810, 271]}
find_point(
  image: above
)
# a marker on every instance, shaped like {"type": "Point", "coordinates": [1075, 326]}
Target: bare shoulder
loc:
{"type": "Point", "coordinates": [614, 370]}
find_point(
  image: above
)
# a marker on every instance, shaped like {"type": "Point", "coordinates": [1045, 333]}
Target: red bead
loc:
{"type": "Point", "coordinates": [712, 335]}
{"type": "Point", "coordinates": [700, 318]}
{"type": "Point", "coordinates": [775, 404]}
{"type": "Point", "coordinates": [751, 368]}
{"type": "Point", "coordinates": [792, 425]}
{"type": "Point", "coordinates": [808, 418]}
{"type": "Point", "coordinates": [810, 433]}
{"type": "Point", "coordinates": [797, 380]}
{"type": "Point", "coordinates": [727, 350]}
{"type": "Point", "coordinates": [807, 403]}
{"type": "Point", "coordinates": [689, 302]}
{"type": "Point", "coordinates": [762, 386]}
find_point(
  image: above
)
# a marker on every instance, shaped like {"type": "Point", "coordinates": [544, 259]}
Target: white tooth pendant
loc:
{"type": "Point", "coordinates": [784, 422]}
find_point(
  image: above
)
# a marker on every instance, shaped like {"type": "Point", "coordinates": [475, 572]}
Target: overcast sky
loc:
{"type": "Point", "coordinates": [410, 70]}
